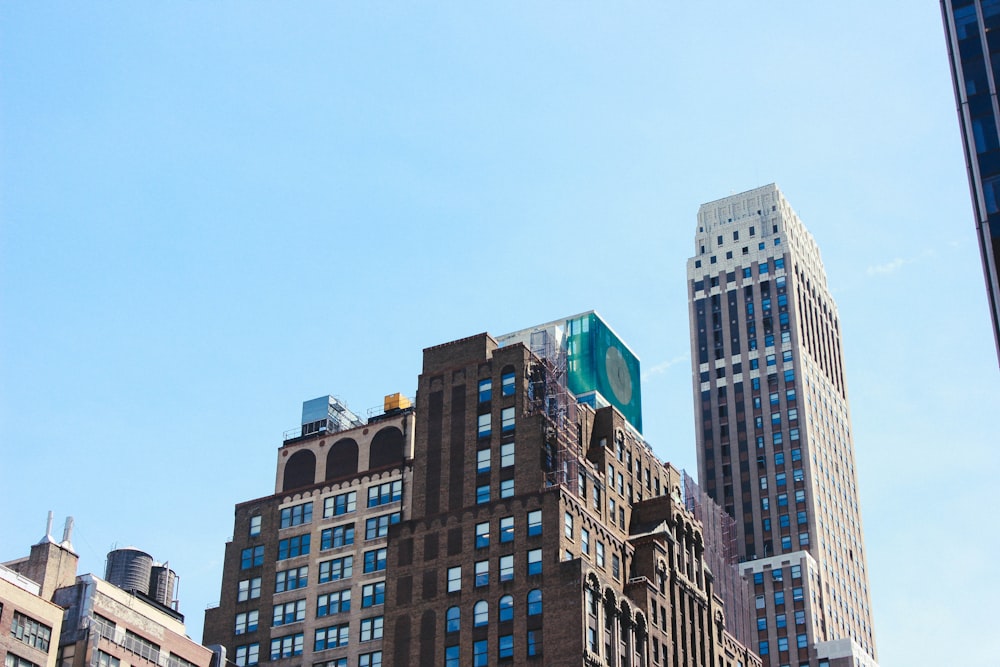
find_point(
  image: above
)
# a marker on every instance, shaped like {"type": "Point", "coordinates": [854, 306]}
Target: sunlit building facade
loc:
{"type": "Point", "coordinates": [773, 427]}
{"type": "Point", "coordinates": [500, 520]}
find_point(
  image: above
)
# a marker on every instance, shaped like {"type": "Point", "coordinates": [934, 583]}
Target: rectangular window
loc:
{"type": "Point", "coordinates": [286, 647]}
{"type": "Point", "coordinates": [373, 659]}
{"type": "Point", "coordinates": [29, 631]}
{"type": "Point", "coordinates": [329, 604]}
{"type": "Point", "coordinates": [383, 494]}
{"type": "Point", "coordinates": [292, 579]}
{"type": "Point", "coordinates": [535, 561]}
{"type": "Point", "coordinates": [378, 526]}
{"type": "Point", "coordinates": [480, 653]}
{"type": "Point", "coordinates": [483, 535]}
{"type": "Point", "coordinates": [293, 546]}
{"type": "Point", "coordinates": [289, 612]}
{"type": "Point", "coordinates": [255, 525]}
{"type": "Point", "coordinates": [779, 597]}
{"type": "Point", "coordinates": [507, 488]}
{"type": "Point", "coordinates": [373, 594]}
{"type": "Point", "coordinates": [507, 420]}
{"type": "Point", "coordinates": [507, 384]}
{"type": "Point", "coordinates": [252, 557]}
{"type": "Point", "coordinates": [247, 655]}
{"type": "Point", "coordinates": [568, 525]}
{"type": "Point", "coordinates": [506, 529]}
{"type": "Point", "coordinates": [797, 594]}
{"type": "Point", "coordinates": [335, 569]}
{"type": "Point", "coordinates": [505, 647]}
{"type": "Point", "coordinates": [801, 641]}
{"type": "Point", "coordinates": [482, 572]}
{"type": "Point", "coordinates": [782, 644]}
{"type": "Point", "coordinates": [585, 541]}
{"type": "Point", "coordinates": [296, 515]}
{"type": "Point", "coordinates": [249, 589]}
{"type": "Point", "coordinates": [333, 636]}
{"type": "Point", "coordinates": [485, 390]}
{"type": "Point", "coordinates": [375, 560]}
{"type": "Point", "coordinates": [454, 579]}
{"type": "Point", "coordinates": [485, 426]}
{"type": "Point", "coordinates": [600, 554]}
{"type": "Point", "coordinates": [341, 504]}
{"type": "Point", "coordinates": [507, 455]}
{"type": "Point", "coordinates": [246, 622]}
{"type": "Point", "coordinates": [452, 655]}
{"type": "Point", "coordinates": [507, 568]}
{"type": "Point", "coordinates": [103, 660]}
{"type": "Point", "coordinates": [797, 570]}
{"type": "Point", "coordinates": [371, 628]}
{"type": "Point", "coordinates": [534, 641]}
{"type": "Point", "coordinates": [483, 461]}
{"type": "Point", "coordinates": [482, 494]}
{"type": "Point", "coordinates": [534, 522]}
{"type": "Point", "coordinates": [336, 537]}
{"type": "Point", "coordinates": [615, 566]}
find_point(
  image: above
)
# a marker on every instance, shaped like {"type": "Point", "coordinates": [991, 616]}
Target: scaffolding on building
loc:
{"type": "Point", "coordinates": [549, 397]}
{"type": "Point", "coordinates": [722, 557]}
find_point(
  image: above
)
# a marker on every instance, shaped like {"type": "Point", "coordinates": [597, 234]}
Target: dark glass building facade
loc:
{"type": "Point", "coordinates": [974, 51]}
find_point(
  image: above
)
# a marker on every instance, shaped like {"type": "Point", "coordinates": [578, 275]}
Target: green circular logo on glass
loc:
{"type": "Point", "coordinates": [618, 375]}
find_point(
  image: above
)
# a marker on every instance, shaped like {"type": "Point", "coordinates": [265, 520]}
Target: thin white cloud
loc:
{"type": "Point", "coordinates": [661, 368]}
{"type": "Point", "coordinates": [890, 267]}
{"type": "Point", "coordinates": [898, 263]}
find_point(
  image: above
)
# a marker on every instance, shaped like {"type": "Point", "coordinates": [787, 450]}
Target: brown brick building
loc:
{"type": "Point", "coordinates": [530, 529]}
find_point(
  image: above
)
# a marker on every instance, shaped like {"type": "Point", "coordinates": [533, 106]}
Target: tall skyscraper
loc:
{"type": "Point", "coordinates": [513, 516]}
{"type": "Point", "coordinates": [971, 29]}
{"type": "Point", "coordinates": [773, 428]}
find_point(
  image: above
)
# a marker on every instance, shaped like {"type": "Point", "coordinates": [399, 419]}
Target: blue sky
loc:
{"type": "Point", "coordinates": [210, 212]}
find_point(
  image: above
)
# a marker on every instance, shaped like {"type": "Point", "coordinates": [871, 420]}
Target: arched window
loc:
{"type": "Point", "coordinates": [342, 459]}
{"type": "Point", "coordinates": [386, 448]}
{"type": "Point", "coordinates": [534, 602]}
{"type": "Point", "coordinates": [300, 470]}
{"type": "Point", "coordinates": [481, 613]}
{"type": "Point", "coordinates": [454, 620]}
{"type": "Point", "coordinates": [506, 608]}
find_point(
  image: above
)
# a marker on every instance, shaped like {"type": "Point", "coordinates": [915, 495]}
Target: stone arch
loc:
{"type": "Point", "coordinates": [626, 611]}
{"type": "Point", "coordinates": [300, 470]}
{"type": "Point", "coordinates": [386, 448]}
{"type": "Point", "coordinates": [342, 459]}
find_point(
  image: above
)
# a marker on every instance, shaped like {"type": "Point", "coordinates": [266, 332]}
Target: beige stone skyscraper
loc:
{"type": "Point", "coordinates": [773, 428]}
